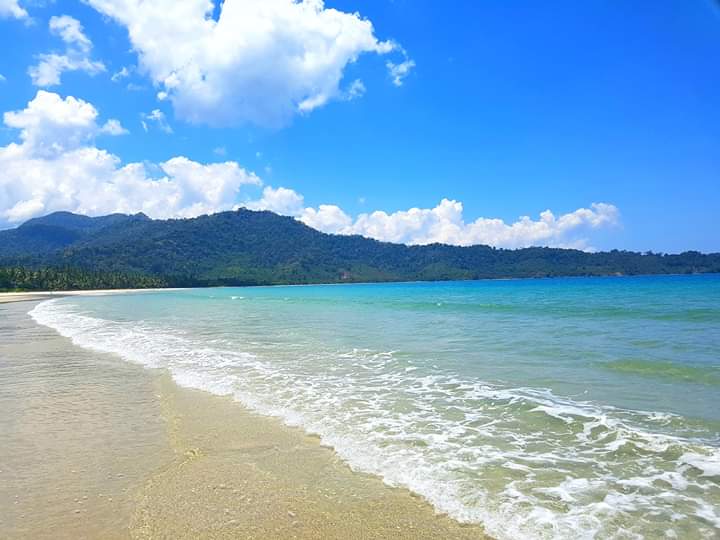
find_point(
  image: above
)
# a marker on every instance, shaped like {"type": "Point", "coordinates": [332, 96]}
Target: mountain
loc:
{"type": "Point", "coordinates": [55, 231]}
{"type": "Point", "coordinates": [251, 248]}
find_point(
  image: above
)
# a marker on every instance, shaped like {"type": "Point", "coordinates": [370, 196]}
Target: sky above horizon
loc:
{"type": "Point", "coordinates": [592, 124]}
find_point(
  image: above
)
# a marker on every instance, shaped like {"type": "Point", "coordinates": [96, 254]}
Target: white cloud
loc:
{"type": "Point", "coordinates": [70, 31]}
{"type": "Point", "coordinates": [113, 127]}
{"type": "Point", "coordinates": [157, 117]}
{"type": "Point", "coordinates": [50, 125]}
{"type": "Point", "coordinates": [120, 75]}
{"type": "Point", "coordinates": [355, 90]}
{"type": "Point", "coordinates": [398, 72]}
{"type": "Point", "coordinates": [445, 223]}
{"type": "Point", "coordinates": [55, 166]}
{"type": "Point", "coordinates": [220, 151]}
{"type": "Point", "coordinates": [261, 61]}
{"type": "Point", "coordinates": [51, 66]}
{"type": "Point", "coordinates": [11, 8]}
{"type": "Point", "coordinates": [2, 78]}
{"type": "Point", "coordinates": [281, 201]}
{"type": "Point", "coordinates": [327, 218]}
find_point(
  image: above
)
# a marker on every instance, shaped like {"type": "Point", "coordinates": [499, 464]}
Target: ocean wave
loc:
{"type": "Point", "coordinates": [522, 461]}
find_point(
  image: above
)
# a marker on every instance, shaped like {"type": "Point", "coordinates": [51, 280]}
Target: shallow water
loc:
{"type": "Point", "coordinates": [566, 408]}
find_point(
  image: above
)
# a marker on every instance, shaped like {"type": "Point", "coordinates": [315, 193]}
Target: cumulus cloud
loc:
{"type": "Point", "coordinates": [445, 223]}
{"type": "Point", "coordinates": [51, 66]}
{"type": "Point", "coordinates": [113, 127]}
{"type": "Point", "coordinates": [281, 201]}
{"type": "Point", "coordinates": [11, 8]}
{"type": "Point", "coordinates": [56, 166]}
{"type": "Point", "coordinates": [51, 125]}
{"type": "Point", "coordinates": [260, 62]}
{"type": "Point", "coordinates": [328, 218]}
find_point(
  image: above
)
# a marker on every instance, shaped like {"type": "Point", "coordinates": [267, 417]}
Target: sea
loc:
{"type": "Point", "coordinates": [542, 408]}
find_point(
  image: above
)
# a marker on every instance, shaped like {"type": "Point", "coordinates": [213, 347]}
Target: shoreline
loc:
{"type": "Point", "coordinates": [8, 297]}
{"type": "Point", "coordinates": [213, 470]}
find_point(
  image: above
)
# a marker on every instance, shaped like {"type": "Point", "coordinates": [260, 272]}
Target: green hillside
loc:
{"type": "Point", "coordinates": [252, 248]}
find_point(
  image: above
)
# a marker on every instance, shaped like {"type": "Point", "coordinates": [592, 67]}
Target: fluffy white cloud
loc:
{"type": "Point", "coordinates": [281, 201]}
{"type": "Point", "coordinates": [261, 61]}
{"type": "Point", "coordinates": [51, 67]}
{"type": "Point", "coordinates": [445, 223]}
{"type": "Point", "coordinates": [76, 57]}
{"type": "Point", "coordinates": [70, 31]}
{"type": "Point", "coordinates": [113, 127]}
{"type": "Point", "coordinates": [327, 218]}
{"type": "Point", "coordinates": [50, 125]}
{"type": "Point", "coordinates": [55, 166]}
{"type": "Point", "coordinates": [11, 8]}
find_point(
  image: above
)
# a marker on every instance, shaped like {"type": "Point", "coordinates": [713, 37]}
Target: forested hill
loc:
{"type": "Point", "coordinates": [253, 248]}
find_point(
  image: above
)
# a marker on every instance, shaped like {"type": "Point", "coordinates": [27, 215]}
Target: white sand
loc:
{"type": "Point", "coordinates": [43, 295]}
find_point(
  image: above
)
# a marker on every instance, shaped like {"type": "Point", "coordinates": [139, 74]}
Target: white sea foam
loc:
{"type": "Point", "coordinates": [522, 461]}
{"type": "Point", "coordinates": [708, 464]}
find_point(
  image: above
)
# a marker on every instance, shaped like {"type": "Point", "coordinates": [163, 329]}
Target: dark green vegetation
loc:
{"type": "Point", "coordinates": [70, 279]}
{"type": "Point", "coordinates": [64, 250]}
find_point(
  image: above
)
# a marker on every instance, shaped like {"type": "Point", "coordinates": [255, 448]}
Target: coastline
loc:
{"type": "Point", "coordinates": [10, 297]}
{"type": "Point", "coordinates": [194, 465]}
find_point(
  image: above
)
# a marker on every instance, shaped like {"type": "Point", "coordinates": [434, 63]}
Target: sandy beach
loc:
{"type": "Point", "coordinates": [10, 297]}
{"type": "Point", "coordinates": [95, 447]}
{"type": "Point", "coordinates": [7, 298]}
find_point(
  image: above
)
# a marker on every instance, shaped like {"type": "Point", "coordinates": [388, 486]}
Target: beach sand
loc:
{"type": "Point", "coordinates": [8, 297]}
{"type": "Point", "coordinates": [94, 447]}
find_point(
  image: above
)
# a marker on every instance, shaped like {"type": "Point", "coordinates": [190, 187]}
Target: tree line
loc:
{"type": "Point", "coordinates": [20, 279]}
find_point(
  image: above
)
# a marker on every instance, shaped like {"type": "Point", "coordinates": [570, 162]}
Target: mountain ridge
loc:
{"type": "Point", "coordinates": [246, 247]}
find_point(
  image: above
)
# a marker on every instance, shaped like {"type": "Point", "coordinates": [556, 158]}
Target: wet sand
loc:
{"type": "Point", "coordinates": [99, 448]}
{"type": "Point", "coordinates": [8, 297]}
{"type": "Point", "coordinates": [79, 433]}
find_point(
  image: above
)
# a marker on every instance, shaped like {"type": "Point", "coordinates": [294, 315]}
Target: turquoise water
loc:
{"type": "Point", "coordinates": [564, 408]}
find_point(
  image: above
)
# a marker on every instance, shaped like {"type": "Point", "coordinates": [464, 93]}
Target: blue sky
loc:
{"type": "Point", "coordinates": [507, 108]}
